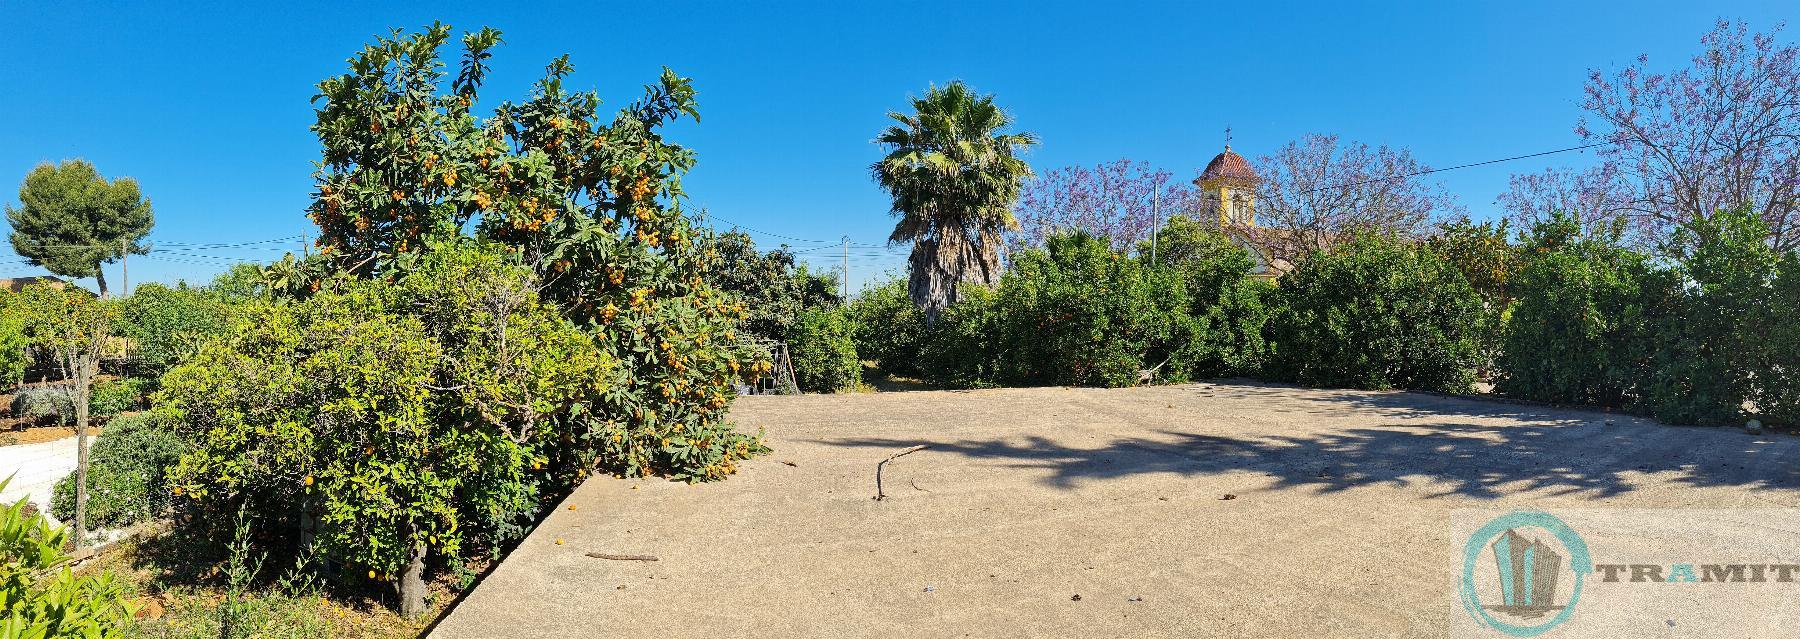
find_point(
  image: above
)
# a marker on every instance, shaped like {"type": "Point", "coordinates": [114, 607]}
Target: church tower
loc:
{"type": "Point", "coordinates": [1228, 189]}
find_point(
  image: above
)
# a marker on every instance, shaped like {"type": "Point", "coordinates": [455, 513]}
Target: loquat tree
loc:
{"type": "Point", "coordinates": [591, 204]}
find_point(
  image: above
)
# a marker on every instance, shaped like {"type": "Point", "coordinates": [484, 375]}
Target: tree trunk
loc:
{"type": "Point", "coordinates": [84, 378]}
{"type": "Point", "coordinates": [411, 585]}
{"type": "Point", "coordinates": [100, 278]}
{"type": "Point", "coordinates": [941, 264]}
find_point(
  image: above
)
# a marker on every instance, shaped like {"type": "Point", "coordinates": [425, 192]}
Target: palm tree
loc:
{"type": "Point", "coordinates": [954, 176]}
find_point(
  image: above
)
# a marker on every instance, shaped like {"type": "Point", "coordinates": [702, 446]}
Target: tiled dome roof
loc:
{"type": "Point", "coordinates": [1228, 166]}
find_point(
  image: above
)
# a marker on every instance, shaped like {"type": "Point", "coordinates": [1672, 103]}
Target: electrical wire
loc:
{"type": "Point", "coordinates": [1459, 166]}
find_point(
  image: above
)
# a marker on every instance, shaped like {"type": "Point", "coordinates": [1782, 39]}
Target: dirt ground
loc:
{"type": "Point", "coordinates": [1173, 511]}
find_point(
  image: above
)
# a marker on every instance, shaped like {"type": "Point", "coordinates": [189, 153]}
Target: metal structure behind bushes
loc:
{"type": "Point", "coordinates": [779, 381]}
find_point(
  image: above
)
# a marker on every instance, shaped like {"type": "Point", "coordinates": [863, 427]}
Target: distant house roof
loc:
{"type": "Point", "coordinates": [18, 283]}
{"type": "Point", "coordinates": [1228, 167]}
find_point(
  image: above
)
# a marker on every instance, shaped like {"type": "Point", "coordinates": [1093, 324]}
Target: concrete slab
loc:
{"type": "Point", "coordinates": [35, 469]}
{"type": "Point", "coordinates": [1338, 524]}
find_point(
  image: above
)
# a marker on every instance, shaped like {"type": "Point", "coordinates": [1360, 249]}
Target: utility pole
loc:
{"type": "Point", "coordinates": [305, 244]}
{"type": "Point", "coordinates": [124, 267]}
{"type": "Point", "coordinates": [846, 269]}
{"type": "Point", "coordinates": [1155, 219]}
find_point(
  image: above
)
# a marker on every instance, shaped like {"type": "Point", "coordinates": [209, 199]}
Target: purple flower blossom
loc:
{"type": "Point", "coordinates": [1113, 200]}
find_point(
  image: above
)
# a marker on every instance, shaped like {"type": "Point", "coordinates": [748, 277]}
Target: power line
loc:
{"type": "Point", "coordinates": [777, 235]}
{"type": "Point", "coordinates": [187, 245]}
{"type": "Point", "coordinates": [830, 244]}
{"type": "Point", "coordinates": [1460, 166]}
{"type": "Point", "coordinates": [289, 238]}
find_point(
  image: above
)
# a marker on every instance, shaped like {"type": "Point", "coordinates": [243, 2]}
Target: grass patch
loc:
{"type": "Point", "coordinates": [186, 591]}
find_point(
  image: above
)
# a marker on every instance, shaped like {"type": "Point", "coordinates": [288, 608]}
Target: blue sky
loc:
{"type": "Point", "coordinates": [207, 104]}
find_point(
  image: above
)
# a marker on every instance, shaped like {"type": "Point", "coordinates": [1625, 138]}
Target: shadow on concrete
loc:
{"type": "Point", "coordinates": [1421, 438]}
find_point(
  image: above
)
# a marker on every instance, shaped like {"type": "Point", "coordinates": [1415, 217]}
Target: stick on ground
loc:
{"type": "Point", "coordinates": [878, 466]}
{"type": "Point", "coordinates": [601, 555]}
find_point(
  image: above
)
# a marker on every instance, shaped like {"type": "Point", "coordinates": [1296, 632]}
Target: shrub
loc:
{"type": "Point", "coordinates": [772, 286]}
{"type": "Point", "coordinates": [963, 349]}
{"type": "Point", "coordinates": [1376, 312]}
{"type": "Point", "coordinates": [1227, 304]}
{"type": "Point", "coordinates": [44, 404]}
{"type": "Point", "coordinates": [166, 325]}
{"type": "Point", "coordinates": [1709, 350]}
{"type": "Point", "coordinates": [12, 344]}
{"type": "Point", "coordinates": [427, 415]}
{"type": "Point", "coordinates": [1485, 257]}
{"type": "Point", "coordinates": [1231, 320]}
{"type": "Point", "coordinates": [1578, 332]}
{"type": "Point", "coordinates": [823, 351]}
{"type": "Point", "coordinates": [888, 327]}
{"type": "Point", "coordinates": [1078, 313]}
{"type": "Point", "coordinates": [1778, 383]}
{"type": "Point", "coordinates": [126, 469]}
{"type": "Point", "coordinates": [119, 395]}
{"type": "Point", "coordinates": [40, 597]}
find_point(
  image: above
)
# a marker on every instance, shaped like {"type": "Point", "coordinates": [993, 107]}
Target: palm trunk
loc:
{"type": "Point", "coordinates": [941, 265]}
{"type": "Point", "coordinates": [931, 288]}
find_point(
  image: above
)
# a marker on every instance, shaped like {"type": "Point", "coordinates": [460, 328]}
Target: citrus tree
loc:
{"type": "Point", "coordinates": [1376, 312]}
{"type": "Point", "coordinates": [395, 422]}
{"type": "Point", "coordinates": [12, 343]}
{"type": "Point", "coordinates": [1078, 313]}
{"type": "Point", "coordinates": [166, 324]}
{"type": "Point", "coordinates": [1578, 333]}
{"type": "Point", "coordinates": [76, 329]}
{"type": "Point", "coordinates": [1710, 351]}
{"type": "Point", "coordinates": [1778, 391]}
{"type": "Point", "coordinates": [1228, 304]}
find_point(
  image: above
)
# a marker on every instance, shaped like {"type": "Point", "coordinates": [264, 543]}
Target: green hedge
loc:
{"type": "Point", "coordinates": [824, 351]}
{"type": "Point", "coordinates": [1710, 346]}
{"type": "Point", "coordinates": [1229, 307]}
{"type": "Point", "coordinates": [1077, 313]}
{"type": "Point", "coordinates": [12, 344]}
{"type": "Point", "coordinates": [1704, 331]}
{"type": "Point", "coordinates": [125, 474]}
{"type": "Point", "coordinates": [963, 350]}
{"type": "Point", "coordinates": [1578, 333]}
{"type": "Point", "coordinates": [1375, 313]}
{"type": "Point", "coordinates": [167, 325]}
{"type": "Point", "coordinates": [116, 396]}
{"type": "Point", "coordinates": [1691, 336]}
{"type": "Point", "coordinates": [889, 329]}
{"type": "Point", "coordinates": [1778, 388]}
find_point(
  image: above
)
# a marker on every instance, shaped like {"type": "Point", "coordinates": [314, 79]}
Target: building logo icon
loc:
{"type": "Point", "coordinates": [1514, 569]}
{"type": "Point", "coordinates": [1528, 569]}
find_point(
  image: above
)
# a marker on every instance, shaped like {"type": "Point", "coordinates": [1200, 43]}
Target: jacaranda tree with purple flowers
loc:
{"type": "Point", "coordinates": [1117, 201]}
{"type": "Point", "coordinates": [1319, 190]}
{"type": "Point", "coordinates": [1594, 200]}
{"type": "Point", "coordinates": [1678, 146]}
